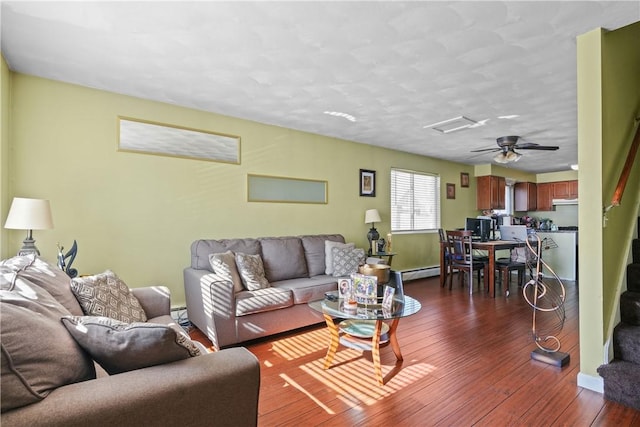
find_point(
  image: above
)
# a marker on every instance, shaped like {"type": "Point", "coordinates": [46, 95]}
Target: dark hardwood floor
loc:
{"type": "Point", "coordinates": [466, 362]}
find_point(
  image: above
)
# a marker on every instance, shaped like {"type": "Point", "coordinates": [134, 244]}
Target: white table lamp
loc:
{"type": "Point", "coordinates": [29, 214]}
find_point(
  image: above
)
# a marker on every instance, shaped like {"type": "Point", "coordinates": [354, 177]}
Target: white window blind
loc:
{"type": "Point", "coordinates": [415, 201]}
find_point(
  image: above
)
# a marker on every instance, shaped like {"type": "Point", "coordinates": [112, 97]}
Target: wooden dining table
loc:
{"type": "Point", "coordinates": [491, 247]}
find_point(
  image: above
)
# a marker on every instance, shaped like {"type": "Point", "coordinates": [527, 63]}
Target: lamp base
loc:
{"type": "Point", "coordinates": [28, 248]}
{"type": "Point", "coordinates": [372, 237]}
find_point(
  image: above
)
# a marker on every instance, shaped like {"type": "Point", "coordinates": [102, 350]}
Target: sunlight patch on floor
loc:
{"type": "Point", "coordinates": [352, 378]}
{"type": "Point", "coordinates": [291, 348]}
{"type": "Point", "coordinates": [289, 381]}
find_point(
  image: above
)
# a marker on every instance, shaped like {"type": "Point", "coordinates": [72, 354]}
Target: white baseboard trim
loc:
{"type": "Point", "coordinates": [421, 272]}
{"type": "Point", "coordinates": [590, 382]}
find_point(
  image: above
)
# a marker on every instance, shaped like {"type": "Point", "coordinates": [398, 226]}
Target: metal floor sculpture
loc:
{"type": "Point", "coordinates": [546, 294]}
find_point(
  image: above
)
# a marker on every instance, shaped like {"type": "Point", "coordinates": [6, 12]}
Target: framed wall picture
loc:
{"type": "Point", "coordinates": [367, 183]}
{"type": "Point", "coordinates": [451, 191]}
{"type": "Point", "coordinates": [464, 179]}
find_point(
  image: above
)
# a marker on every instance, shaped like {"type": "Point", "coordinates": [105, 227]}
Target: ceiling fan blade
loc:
{"type": "Point", "coordinates": [526, 145]}
{"type": "Point", "coordinates": [485, 149]}
{"type": "Point", "coordinates": [539, 147]}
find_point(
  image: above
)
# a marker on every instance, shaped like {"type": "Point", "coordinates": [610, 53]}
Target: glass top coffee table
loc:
{"type": "Point", "coordinates": [364, 327]}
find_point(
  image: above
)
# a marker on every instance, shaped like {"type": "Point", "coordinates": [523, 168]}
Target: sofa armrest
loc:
{"type": "Point", "coordinates": [155, 300]}
{"type": "Point", "coordinates": [213, 389]}
{"type": "Point", "coordinates": [211, 306]}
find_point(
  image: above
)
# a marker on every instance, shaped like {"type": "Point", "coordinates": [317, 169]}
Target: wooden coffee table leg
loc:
{"type": "Point", "coordinates": [335, 341]}
{"type": "Point", "coordinates": [393, 340]}
{"type": "Point", "coordinates": [375, 352]}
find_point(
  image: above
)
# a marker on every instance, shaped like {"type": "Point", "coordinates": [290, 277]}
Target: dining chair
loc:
{"type": "Point", "coordinates": [518, 260]}
{"type": "Point", "coordinates": [444, 244]}
{"type": "Point", "coordinates": [462, 258]}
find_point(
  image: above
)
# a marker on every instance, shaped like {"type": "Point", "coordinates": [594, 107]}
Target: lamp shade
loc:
{"type": "Point", "coordinates": [371, 215]}
{"type": "Point", "coordinates": [29, 214]}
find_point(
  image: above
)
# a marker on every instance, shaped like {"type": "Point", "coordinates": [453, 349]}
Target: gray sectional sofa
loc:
{"type": "Point", "coordinates": [48, 380]}
{"type": "Point", "coordinates": [295, 269]}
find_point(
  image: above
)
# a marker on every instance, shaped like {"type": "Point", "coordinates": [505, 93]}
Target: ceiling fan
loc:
{"type": "Point", "coordinates": [507, 146]}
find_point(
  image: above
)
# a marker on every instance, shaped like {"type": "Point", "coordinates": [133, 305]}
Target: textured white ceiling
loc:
{"type": "Point", "coordinates": [394, 66]}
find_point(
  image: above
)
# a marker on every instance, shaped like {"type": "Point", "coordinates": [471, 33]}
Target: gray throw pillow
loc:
{"type": "Point", "coordinates": [328, 251]}
{"type": "Point", "coordinates": [224, 266]}
{"type": "Point", "coordinates": [48, 276]}
{"type": "Point", "coordinates": [37, 353]}
{"type": "Point", "coordinates": [107, 295]}
{"type": "Point", "coordinates": [346, 260]}
{"type": "Point", "coordinates": [121, 347]}
{"type": "Point", "coordinates": [251, 270]}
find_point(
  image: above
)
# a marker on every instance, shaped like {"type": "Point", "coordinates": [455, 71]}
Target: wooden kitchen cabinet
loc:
{"type": "Point", "coordinates": [560, 190]}
{"type": "Point", "coordinates": [526, 197]}
{"type": "Point", "coordinates": [565, 189]}
{"type": "Point", "coordinates": [490, 192]}
{"type": "Point", "coordinates": [573, 189]}
{"type": "Point", "coordinates": [544, 196]}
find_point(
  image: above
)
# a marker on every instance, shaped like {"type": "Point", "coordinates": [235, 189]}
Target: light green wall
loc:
{"type": "Point", "coordinates": [495, 170]}
{"type": "Point", "coordinates": [138, 214]}
{"type": "Point", "coordinates": [568, 175]}
{"type": "Point", "coordinates": [5, 200]}
{"type": "Point", "coordinates": [608, 100]}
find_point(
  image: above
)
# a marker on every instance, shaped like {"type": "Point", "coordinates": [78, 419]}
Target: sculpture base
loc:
{"type": "Point", "coordinates": [557, 358]}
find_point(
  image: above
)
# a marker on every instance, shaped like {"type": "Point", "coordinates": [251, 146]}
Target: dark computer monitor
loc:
{"type": "Point", "coordinates": [481, 228]}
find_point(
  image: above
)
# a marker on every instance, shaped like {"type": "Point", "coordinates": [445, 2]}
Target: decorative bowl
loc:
{"type": "Point", "coordinates": [381, 271]}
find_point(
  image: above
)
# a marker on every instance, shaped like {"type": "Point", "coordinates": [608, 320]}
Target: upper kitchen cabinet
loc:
{"type": "Point", "coordinates": [490, 192]}
{"type": "Point", "coordinates": [573, 189]}
{"type": "Point", "coordinates": [565, 189]}
{"type": "Point", "coordinates": [526, 197]}
{"type": "Point", "coordinates": [544, 196]}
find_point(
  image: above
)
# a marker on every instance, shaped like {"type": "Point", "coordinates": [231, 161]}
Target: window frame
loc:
{"type": "Point", "coordinates": [435, 190]}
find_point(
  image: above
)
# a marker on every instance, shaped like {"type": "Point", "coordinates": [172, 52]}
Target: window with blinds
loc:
{"type": "Point", "coordinates": [415, 201]}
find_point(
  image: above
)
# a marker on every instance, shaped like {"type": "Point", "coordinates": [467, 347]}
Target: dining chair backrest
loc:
{"type": "Point", "coordinates": [460, 244]}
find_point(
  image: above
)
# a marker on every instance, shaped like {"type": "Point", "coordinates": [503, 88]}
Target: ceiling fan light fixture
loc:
{"type": "Point", "coordinates": [512, 156]}
{"type": "Point", "coordinates": [500, 158]}
{"type": "Point", "coordinates": [507, 157]}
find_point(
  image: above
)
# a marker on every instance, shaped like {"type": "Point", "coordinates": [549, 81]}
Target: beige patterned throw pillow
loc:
{"type": "Point", "coordinates": [224, 266]}
{"type": "Point", "coordinates": [328, 254]}
{"type": "Point", "coordinates": [251, 271]}
{"type": "Point", "coordinates": [107, 295]}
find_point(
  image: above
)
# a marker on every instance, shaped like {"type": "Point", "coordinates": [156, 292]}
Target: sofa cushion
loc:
{"type": "Point", "coordinates": [107, 295]}
{"type": "Point", "coordinates": [251, 271]}
{"type": "Point", "coordinates": [121, 347]}
{"type": "Point", "coordinates": [309, 289]}
{"type": "Point", "coordinates": [314, 251]}
{"type": "Point", "coordinates": [37, 353]}
{"type": "Point", "coordinates": [346, 260]}
{"type": "Point", "coordinates": [283, 258]}
{"type": "Point", "coordinates": [329, 245]}
{"type": "Point", "coordinates": [201, 249]}
{"type": "Point", "coordinates": [224, 265]}
{"type": "Point", "coordinates": [267, 299]}
{"type": "Point", "coordinates": [47, 276]}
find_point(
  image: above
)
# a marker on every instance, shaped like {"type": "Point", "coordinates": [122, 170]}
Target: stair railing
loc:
{"type": "Point", "coordinates": [624, 174]}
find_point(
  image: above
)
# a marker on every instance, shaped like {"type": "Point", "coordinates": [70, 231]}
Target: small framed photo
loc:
{"type": "Point", "coordinates": [387, 299]}
{"type": "Point", "coordinates": [464, 179]}
{"type": "Point", "coordinates": [451, 191]}
{"type": "Point", "coordinates": [367, 183]}
{"type": "Point", "coordinates": [344, 288]}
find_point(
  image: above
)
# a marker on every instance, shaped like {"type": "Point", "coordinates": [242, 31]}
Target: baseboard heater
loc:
{"type": "Point", "coordinates": [420, 273]}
